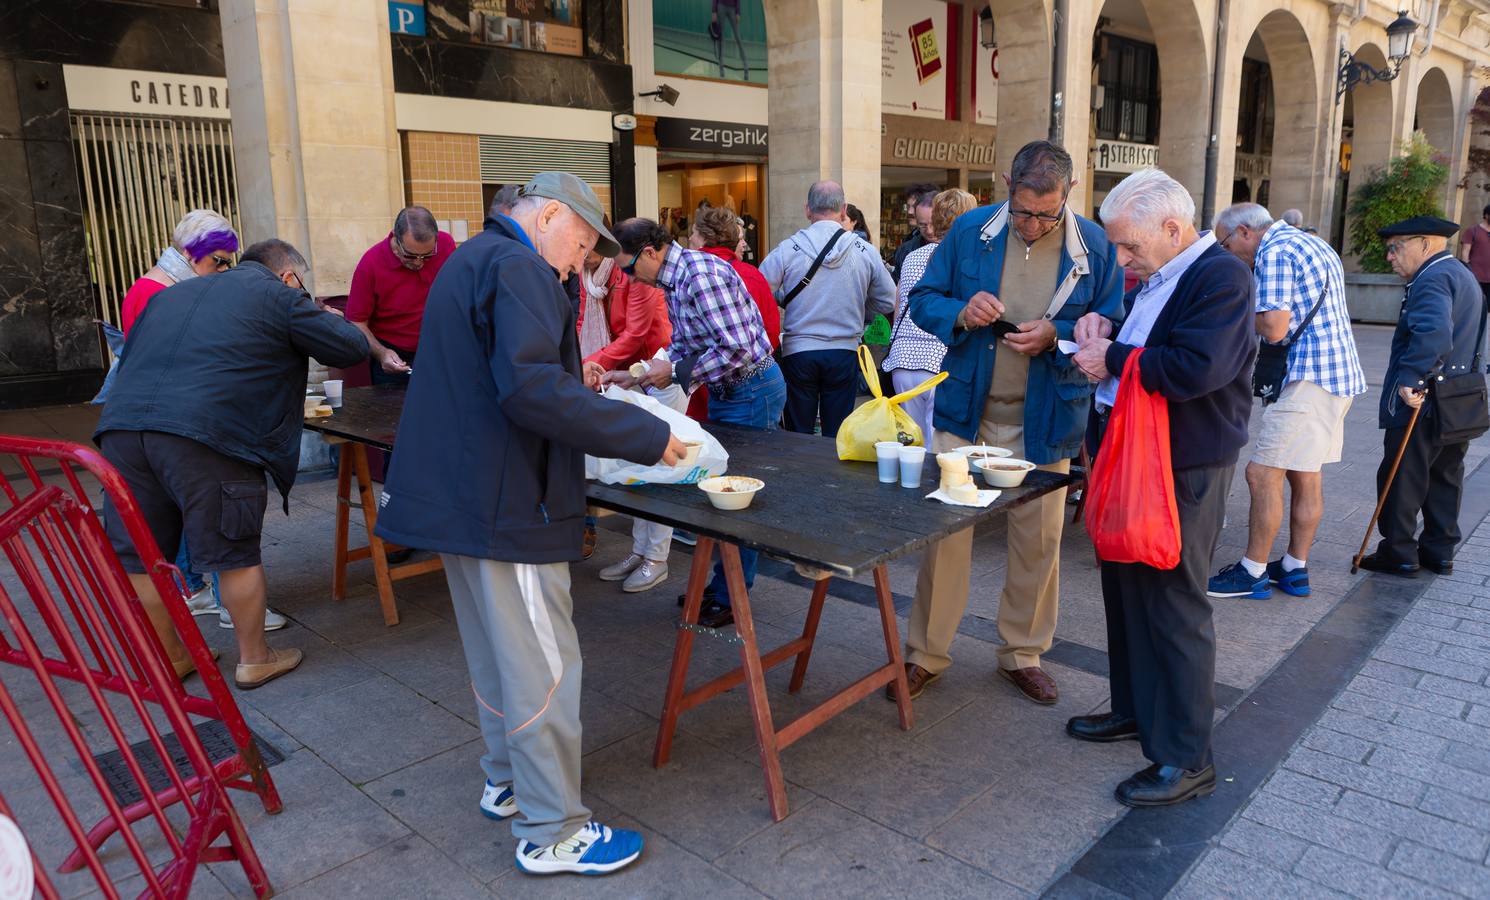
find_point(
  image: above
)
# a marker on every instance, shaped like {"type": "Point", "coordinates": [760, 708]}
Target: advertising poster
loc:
{"type": "Point", "coordinates": [915, 53]}
{"type": "Point", "coordinates": [549, 26]}
{"type": "Point", "coordinates": [724, 40]}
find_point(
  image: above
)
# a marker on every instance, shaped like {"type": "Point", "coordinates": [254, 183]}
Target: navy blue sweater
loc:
{"type": "Point", "coordinates": [1199, 356]}
{"type": "Point", "coordinates": [496, 423]}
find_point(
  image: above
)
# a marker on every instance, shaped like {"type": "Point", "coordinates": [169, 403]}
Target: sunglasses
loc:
{"type": "Point", "coordinates": [406, 253]}
{"type": "Point", "coordinates": [221, 262]}
{"type": "Point", "coordinates": [630, 268]}
{"type": "Point", "coordinates": [1042, 218]}
{"type": "Point", "coordinates": [1395, 247]}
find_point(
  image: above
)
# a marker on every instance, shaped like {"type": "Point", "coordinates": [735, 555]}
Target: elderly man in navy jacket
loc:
{"type": "Point", "coordinates": [490, 473]}
{"type": "Point", "coordinates": [1193, 320]}
{"type": "Point", "coordinates": [1440, 334]}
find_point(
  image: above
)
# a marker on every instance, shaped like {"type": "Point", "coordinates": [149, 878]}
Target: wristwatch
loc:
{"type": "Point", "coordinates": [673, 372]}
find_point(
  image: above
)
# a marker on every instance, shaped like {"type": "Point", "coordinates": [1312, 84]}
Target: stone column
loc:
{"type": "Point", "coordinates": [314, 136]}
{"type": "Point", "coordinates": [824, 104]}
{"type": "Point", "coordinates": [1023, 31]}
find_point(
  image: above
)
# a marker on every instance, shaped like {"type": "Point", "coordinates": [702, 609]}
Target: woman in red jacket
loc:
{"type": "Point", "coordinates": [623, 321]}
{"type": "Point", "coordinates": [718, 230]}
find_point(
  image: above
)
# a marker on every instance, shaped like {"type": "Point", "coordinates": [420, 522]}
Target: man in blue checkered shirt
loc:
{"type": "Point", "coordinates": [1305, 428]}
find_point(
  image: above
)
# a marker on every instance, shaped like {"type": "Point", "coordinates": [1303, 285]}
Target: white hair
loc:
{"type": "Point", "coordinates": [201, 231]}
{"type": "Point", "coordinates": [1147, 198]}
{"type": "Point", "coordinates": [1244, 215]}
{"type": "Point", "coordinates": [1294, 217]}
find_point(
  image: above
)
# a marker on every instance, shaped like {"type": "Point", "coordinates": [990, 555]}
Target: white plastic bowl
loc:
{"type": "Point", "coordinates": [741, 491]}
{"type": "Point", "coordinates": [1004, 478]}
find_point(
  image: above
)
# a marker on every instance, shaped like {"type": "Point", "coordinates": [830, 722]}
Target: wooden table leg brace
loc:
{"type": "Point", "coordinates": [754, 665]}
{"type": "Point", "coordinates": [354, 460]}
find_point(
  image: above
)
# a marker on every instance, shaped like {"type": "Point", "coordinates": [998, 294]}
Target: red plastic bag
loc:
{"type": "Point", "coordinates": [1130, 510]}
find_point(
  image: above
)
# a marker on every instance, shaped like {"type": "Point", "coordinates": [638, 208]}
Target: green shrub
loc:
{"type": "Point", "coordinates": [1411, 185]}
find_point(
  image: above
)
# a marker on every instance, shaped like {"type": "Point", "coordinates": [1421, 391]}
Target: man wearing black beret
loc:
{"type": "Point", "coordinates": [1438, 337]}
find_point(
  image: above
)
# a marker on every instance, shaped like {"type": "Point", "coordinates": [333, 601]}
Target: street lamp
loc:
{"type": "Point", "coordinates": [1399, 46]}
{"type": "Point", "coordinates": [985, 28]}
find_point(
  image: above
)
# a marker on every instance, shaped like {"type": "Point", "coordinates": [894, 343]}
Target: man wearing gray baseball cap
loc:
{"type": "Point", "coordinates": [490, 474]}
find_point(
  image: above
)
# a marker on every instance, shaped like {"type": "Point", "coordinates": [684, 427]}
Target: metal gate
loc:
{"type": "Point", "coordinates": [139, 175]}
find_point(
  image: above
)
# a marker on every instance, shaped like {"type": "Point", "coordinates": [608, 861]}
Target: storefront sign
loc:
{"type": "Point", "coordinates": [985, 84]}
{"type": "Point", "coordinates": [405, 17]}
{"type": "Point", "coordinates": [1124, 156]}
{"type": "Point", "coordinates": [1253, 167]}
{"type": "Point", "coordinates": [98, 89]}
{"type": "Point", "coordinates": [916, 51]}
{"type": "Point", "coordinates": [962, 153]}
{"type": "Point", "coordinates": [719, 137]}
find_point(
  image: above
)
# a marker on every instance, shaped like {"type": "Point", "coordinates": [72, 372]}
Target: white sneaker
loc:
{"type": "Point", "coordinates": [203, 602]}
{"type": "Point", "coordinates": [273, 621]}
{"type": "Point", "coordinates": [498, 801]}
{"type": "Point", "coordinates": [593, 850]}
{"type": "Point", "coordinates": [647, 576]}
{"type": "Point", "coordinates": [623, 568]}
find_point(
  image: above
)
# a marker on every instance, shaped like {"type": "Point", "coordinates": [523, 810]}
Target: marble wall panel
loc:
{"type": "Point", "coordinates": [105, 33]}
{"type": "Point", "coordinates": [473, 71]}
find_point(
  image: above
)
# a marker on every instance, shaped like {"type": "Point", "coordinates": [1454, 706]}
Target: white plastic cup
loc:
{"type": "Point", "coordinates": [888, 455]}
{"type": "Point", "coordinates": [332, 389]}
{"type": "Point", "coordinates": [912, 460]}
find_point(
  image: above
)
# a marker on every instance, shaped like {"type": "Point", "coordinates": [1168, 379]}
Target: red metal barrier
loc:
{"type": "Point", "coordinates": [98, 635]}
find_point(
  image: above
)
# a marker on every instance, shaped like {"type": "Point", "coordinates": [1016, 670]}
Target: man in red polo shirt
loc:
{"type": "Point", "coordinates": [389, 287]}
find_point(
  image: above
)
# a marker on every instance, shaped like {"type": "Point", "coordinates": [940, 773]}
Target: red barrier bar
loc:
{"type": "Point", "coordinates": [104, 641]}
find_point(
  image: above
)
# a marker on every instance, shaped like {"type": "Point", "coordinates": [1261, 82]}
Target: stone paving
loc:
{"type": "Point", "coordinates": [985, 797]}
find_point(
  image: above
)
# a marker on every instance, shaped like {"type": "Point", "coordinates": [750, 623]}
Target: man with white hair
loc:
{"type": "Point", "coordinates": [502, 499]}
{"type": "Point", "coordinates": [1294, 218]}
{"type": "Point", "coordinates": [1193, 321]}
{"type": "Point", "coordinates": [1301, 304]}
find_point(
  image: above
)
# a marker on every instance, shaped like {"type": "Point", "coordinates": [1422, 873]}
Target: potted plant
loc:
{"type": "Point", "coordinates": [1411, 184]}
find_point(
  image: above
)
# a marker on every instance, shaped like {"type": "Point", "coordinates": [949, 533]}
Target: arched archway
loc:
{"type": "Point", "coordinates": [1366, 137]}
{"type": "Point", "coordinates": [1278, 118]}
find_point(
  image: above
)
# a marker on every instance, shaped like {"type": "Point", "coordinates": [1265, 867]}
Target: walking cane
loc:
{"type": "Point", "coordinates": [1381, 501]}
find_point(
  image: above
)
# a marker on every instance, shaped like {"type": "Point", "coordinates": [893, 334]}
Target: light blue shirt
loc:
{"type": "Point", "coordinates": [1147, 305]}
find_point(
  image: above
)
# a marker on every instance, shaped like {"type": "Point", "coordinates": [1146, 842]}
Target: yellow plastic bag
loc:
{"type": "Point", "coordinates": [881, 419]}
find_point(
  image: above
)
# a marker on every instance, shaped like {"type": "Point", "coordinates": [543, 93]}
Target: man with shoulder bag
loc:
{"type": "Point", "coordinates": [1307, 374]}
{"type": "Point", "coordinates": [1436, 368]}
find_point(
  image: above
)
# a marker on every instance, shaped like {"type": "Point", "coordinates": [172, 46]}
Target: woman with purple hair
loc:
{"type": "Point", "coordinates": [202, 243]}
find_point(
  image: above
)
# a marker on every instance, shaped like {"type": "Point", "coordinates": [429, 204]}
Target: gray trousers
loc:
{"type": "Point", "coordinates": [516, 626]}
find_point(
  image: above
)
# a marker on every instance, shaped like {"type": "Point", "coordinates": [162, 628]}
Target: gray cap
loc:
{"type": "Point", "coordinates": [571, 191]}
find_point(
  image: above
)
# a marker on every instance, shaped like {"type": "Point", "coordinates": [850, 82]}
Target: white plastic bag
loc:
{"type": "Point", "coordinates": [712, 458]}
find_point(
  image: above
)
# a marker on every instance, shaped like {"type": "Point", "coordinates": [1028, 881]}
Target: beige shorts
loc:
{"type": "Point", "coordinates": [1302, 431]}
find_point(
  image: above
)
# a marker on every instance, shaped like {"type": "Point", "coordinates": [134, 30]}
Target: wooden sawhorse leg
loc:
{"type": "Point", "coordinates": [753, 667]}
{"type": "Point", "coordinates": [354, 463]}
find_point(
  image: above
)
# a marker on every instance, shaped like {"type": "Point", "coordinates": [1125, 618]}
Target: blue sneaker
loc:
{"type": "Point", "coordinates": [1236, 581]}
{"type": "Point", "coordinates": [1295, 583]}
{"type": "Point", "coordinates": [498, 801]}
{"type": "Point", "coordinates": [593, 850]}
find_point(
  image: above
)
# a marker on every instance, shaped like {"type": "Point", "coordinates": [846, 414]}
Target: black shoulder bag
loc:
{"type": "Point", "coordinates": [812, 270]}
{"type": "Point", "coordinates": [1271, 368]}
{"type": "Point", "coordinates": [1462, 412]}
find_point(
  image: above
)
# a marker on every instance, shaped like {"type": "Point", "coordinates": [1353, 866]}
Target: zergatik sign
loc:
{"type": "Point", "coordinates": [719, 137]}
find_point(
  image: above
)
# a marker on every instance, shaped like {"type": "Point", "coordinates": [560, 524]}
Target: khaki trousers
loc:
{"type": "Point", "coordinates": [1031, 596]}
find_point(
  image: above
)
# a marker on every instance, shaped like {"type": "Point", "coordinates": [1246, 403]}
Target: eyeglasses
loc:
{"type": "Point", "coordinates": [1226, 240]}
{"type": "Point", "coordinates": [1395, 247]}
{"type": "Point", "coordinates": [406, 253]}
{"type": "Point", "coordinates": [630, 268]}
{"type": "Point", "coordinates": [222, 263]}
{"type": "Point", "coordinates": [1042, 218]}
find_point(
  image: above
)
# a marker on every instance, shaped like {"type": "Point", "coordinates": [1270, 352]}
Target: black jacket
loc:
{"type": "Point", "coordinates": [490, 453]}
{"type": "Point", "coordinates": [908, 246]}
{"type": "Point", "coordinates": [1436, 334]}
{"type": "Point", "coordinates": [1199, 356]}
{"type": "Point", "coordinates": [222, 360]}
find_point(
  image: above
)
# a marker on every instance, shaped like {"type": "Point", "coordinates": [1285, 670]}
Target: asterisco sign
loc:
{"type": "Point", "coordinates": [1124, 156]}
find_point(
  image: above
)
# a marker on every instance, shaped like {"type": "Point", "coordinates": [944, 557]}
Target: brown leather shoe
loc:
{"type": "Point", "coordinates": [916, 678]}
{"type": "Point", "coordinates": [587, 549]}
{"type": "Point", "coordinates": [253, 675]}
{"type": "Point", "coordinates": [1034, 684]}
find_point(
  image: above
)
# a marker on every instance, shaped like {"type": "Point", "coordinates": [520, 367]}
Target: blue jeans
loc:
{"type": "Point", "coordinates": [754, 403]}
{"type": "Point", "coordinates": [193, 580]}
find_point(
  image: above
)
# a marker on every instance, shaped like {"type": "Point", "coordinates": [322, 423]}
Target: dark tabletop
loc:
{"type": "Point", "coordinates": [814, 508]}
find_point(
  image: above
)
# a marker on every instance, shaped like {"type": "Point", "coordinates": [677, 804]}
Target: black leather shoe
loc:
{"type": "Point", "coordinates": [1165, 785]}
{"type": "Point", "coordinates": [1375, 563]}
{"type": "Point", "coordinates": [708, 598]}
{"type": "Point", "coordinates": [1103, 729]}
{"type": "Point", "coordinates": [714, 614]}
{"type": "Point", "coordinates": [1436, 566]}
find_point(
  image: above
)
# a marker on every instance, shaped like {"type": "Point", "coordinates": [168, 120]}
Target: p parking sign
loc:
{"type": "Point", "coordinates": [406, 18]}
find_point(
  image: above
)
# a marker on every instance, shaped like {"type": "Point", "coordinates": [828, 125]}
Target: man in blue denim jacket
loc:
{"type": "Point", "coordinates": [1035, 265]}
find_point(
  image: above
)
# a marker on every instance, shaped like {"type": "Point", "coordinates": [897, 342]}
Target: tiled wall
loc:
{"type": "Point", "coordinates": [442, 173]}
